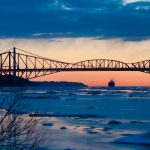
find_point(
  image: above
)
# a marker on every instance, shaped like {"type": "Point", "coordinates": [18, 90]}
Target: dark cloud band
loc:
{"type": "Point", "coordinates": [84, 18]}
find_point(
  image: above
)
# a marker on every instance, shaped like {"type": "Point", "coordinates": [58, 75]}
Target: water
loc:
{"type": "Point", "coordinates": [90, 118]}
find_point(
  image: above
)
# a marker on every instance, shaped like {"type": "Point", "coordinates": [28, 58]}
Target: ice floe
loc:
{"type": "Point", "coordinates": [143, 139]}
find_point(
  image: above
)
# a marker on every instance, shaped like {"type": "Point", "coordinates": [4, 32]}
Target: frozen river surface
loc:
{"type": "Point", "coordinates": [93, 118]}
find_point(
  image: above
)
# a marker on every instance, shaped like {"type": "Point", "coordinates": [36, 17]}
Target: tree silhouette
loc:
{"type": "Point", "coordinates": [17, 129]}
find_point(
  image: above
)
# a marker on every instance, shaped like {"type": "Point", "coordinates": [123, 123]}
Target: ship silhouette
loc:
{"type": "Point", "coordinates": [111, 83]}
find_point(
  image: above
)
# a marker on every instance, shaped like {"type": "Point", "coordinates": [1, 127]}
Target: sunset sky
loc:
{"type": "Point", "coordinates": [75, 30]}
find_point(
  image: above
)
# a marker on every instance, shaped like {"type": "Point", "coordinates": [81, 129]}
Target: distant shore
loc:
{"type": "Point", "coordinates": [9, 80]}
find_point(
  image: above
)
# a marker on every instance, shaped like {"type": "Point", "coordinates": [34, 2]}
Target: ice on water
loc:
{"type": "Point", "coordinates": [91, 118]}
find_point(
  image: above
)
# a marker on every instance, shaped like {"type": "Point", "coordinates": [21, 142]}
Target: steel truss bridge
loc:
{"type": "Point", "coordinates": [24, 64]}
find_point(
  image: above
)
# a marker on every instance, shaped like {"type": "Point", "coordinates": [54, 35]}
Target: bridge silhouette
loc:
{"type": "Point", "coordinates": [20, 63]}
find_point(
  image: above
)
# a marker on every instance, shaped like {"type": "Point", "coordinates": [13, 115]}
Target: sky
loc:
{"type": "Point", "coordinates": [75, 30]}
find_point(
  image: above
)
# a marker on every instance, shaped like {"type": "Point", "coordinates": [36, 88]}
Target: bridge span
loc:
{"type": "Point", "coordinates": [20, 63]}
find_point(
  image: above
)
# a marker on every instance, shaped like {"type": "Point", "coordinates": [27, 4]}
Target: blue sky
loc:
{"type": "Point", "coordinates": [100, 19]}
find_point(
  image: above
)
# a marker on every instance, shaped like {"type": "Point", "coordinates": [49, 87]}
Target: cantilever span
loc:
{"type": "Point", "coordinates": [24, 64]}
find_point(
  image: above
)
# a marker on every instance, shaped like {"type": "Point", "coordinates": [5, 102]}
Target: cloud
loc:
{"type": "Point", "coordinates": [85, 18]}
{"type": "Point", "coordinates": [133, 1]}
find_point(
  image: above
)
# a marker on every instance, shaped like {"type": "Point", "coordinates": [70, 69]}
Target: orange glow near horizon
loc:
{"type": "Point", "coordinates": [78, 49]}
{"type": "Point", "coordinates": [101, 78]}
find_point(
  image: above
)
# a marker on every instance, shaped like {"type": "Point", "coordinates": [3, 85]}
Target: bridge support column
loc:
{"type": "Point", "coordinates": [14, 61]}
{"type": "Point", "coordinates": [14, 64]}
